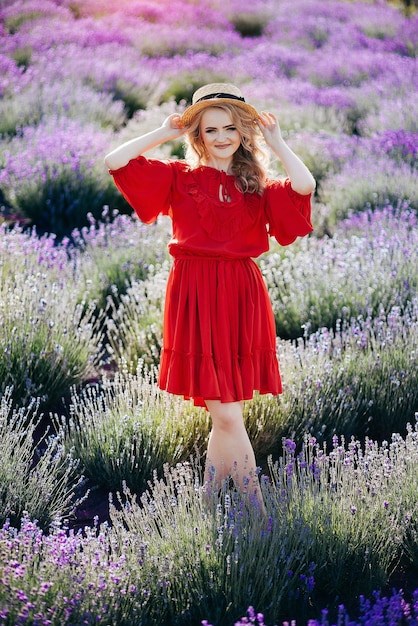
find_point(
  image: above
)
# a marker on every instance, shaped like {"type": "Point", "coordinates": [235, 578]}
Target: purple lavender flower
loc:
{"type": "Point", "coordinates": [290, 446]}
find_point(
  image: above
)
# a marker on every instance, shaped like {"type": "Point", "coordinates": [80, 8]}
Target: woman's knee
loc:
{"type": "Point", "coordinates": [227, 416]}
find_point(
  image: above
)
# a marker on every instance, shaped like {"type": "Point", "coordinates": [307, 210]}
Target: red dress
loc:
{"type": "Point", "coordinates": [219, 338]}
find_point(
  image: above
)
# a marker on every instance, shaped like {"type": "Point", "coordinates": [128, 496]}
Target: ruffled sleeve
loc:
{"type": "Point", "coordinates": [146, 185]}
{"type": "Point", "coordinates": [288, 213]}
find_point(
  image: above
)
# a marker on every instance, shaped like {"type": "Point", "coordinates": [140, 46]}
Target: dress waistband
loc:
{"type": "Point", "coordinates": [201, 257]}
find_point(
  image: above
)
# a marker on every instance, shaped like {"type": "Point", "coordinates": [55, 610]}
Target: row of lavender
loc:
{"type": "Point", "coordinates": [338, 523]}
{"type": "Point", "coordinates": [72, 85]}
{"type": "Point", "coordinates": [74, 75]}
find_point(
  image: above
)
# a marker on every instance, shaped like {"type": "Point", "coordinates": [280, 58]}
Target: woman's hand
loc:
{"type": "Point", "coordinates": [169, 130]}
{"type": "Point", "coordinates": [173, 123]}
{"type": "Point", "coordinates": [270, 128]}
{"type": "Point", "coordinates": [301, 179]}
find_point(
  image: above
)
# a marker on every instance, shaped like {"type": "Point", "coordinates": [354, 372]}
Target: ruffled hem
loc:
{"type": "Point", "coordinates": [199, 378]}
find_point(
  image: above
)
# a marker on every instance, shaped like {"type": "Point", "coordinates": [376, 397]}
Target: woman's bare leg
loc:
{"type": "Point", "coordinates": [230, 452]}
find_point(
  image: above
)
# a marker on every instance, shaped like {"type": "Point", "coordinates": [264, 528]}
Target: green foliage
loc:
{"type": "Point", "coordinates": [132, 96]}
{"type": "Point", "coordinates": [410, 6]}
{"type": "Point", "coordinates": [46, 348]}
{"type": "Point", "coordinates": [250, 24]}
{"type": "Point", "coordinates": [13, 23]}
{"type": "Point", "coordinates": [41, 484]}
{"type": "Point", "coordinates": [59, 204]}
{"type": "Point", "coordinates": [23, 56]}
{"type": "Point", "coordinates": [405, 490]}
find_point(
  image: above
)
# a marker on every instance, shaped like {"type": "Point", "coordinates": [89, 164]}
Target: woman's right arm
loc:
{"type": "Point", "coordinates": [168, 131]}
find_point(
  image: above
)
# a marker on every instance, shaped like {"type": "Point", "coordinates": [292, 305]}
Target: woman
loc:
{"type": "Point", "coordinates": [219, 343]}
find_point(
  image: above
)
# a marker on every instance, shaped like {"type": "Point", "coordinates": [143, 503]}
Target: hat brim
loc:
{"type": "Point", "coordinates": [194, 109]}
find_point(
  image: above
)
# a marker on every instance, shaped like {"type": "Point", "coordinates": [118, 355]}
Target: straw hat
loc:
{"type": "Point", "coordinates": [216, 94]}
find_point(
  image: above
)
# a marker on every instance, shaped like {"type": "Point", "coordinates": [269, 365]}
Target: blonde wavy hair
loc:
{"type": "Point", "coordinates": [250, 161]}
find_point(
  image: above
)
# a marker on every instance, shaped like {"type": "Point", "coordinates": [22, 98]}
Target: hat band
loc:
{"type": "Point", "coordinates": [220, 95]}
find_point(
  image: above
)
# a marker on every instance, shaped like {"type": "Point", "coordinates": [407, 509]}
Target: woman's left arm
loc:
{"type": "Point", "coordinates": [301, 178]}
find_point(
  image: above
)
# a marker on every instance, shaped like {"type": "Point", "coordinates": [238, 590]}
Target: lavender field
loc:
{"type": "Point", "coordinates": [103, 518]}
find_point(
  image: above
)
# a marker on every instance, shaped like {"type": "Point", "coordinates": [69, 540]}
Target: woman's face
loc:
{"type": "Point", "coordinates": [220, 137]}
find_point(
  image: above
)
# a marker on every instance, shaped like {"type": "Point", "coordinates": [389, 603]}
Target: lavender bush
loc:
{"type": "Point", "coordinates": [394, 152]}
{"type": "Point", "coordinates": [114, 71]}
{"type": "Point", "coordinates": [16, 14]}
{"type": "Point", "coordinates": [126, 429]}
{"type": "Point", "coordinates": [41, 485]}
{"type": "Point", "coordinates": [236, 553]}
{"type": "Point", "coordinates": [320, 281]}
{"type": "Point", "coordinates": [359, 380]}
{"type": "Point", "coordinates": [53, 177]}
{"type": "Point", "coordinates": [67, 99]}
{"type": "Point", "coordinates": [134, 327]}
{"type": "Point", "coordinates": [48, 337]}
{"type": "Point", "coordinates": [355, 189]}
{"type": "Point", "coordinates": [336, 493]}
{"type": "Point", "coordinates": [114, 252]}
{"type": "Point", "coordinates": [48, 341]}
{"type": "Point", "coordinates": [22, 250]}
